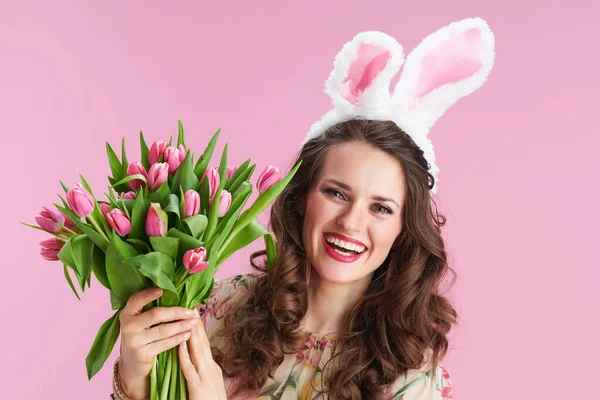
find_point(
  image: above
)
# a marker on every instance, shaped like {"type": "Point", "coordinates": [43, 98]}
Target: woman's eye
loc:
{"type": "Point", "coordinates": [334, 192]}
{"type": "Point", "coordinates": [383, 210]}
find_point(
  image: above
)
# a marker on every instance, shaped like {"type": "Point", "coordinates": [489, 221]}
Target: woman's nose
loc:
{"type": "Point", "coordinates": [352, 219]}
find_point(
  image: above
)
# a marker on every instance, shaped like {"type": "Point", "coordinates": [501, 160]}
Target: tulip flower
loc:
{"type": "Point", "coordinates": [158, 174]}
{"type": "Point", "coordinates": [156, 151]}
{"type": "Point", "coordinates": [224, 203]}
{"type": "Point", "coordinates": [174, 157]}
{"type": "Point", "coordinates": [268, 178]}
{"type": "Point", "coordinates": [50, 249]}
{"type": "Point", "coordinates": [157, 221]}
{"type": "Point", "coordinates": [117, 219]}
{"type": "Point", "coordinates": [213, 181]}
{"type": "Point", "coordinates": [231, 171]}
{"type": "Point", "coordinates": [136, 168]}
{"type": "Point", "coordinates": [105, 209]}
{"type": "Point", "coordinates": [50, 219]}
{"type": "Point", "coordinates": [193, 260]}
{"type": "Point", "coordinates": [191, 203]}
{"type": "Point", "coordinates": [80, 201]}
{"type": "Point", "coordinates": [129, 195]}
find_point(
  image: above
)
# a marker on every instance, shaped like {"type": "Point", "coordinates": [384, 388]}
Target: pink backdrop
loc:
{"type": "Point", "coordinates": [516, 160]}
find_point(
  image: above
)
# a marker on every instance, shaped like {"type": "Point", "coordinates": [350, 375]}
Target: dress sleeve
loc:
{"type": "Point", "coordinates": [424, 385]}
{"type": "Point", "coordinates": [226, 294]}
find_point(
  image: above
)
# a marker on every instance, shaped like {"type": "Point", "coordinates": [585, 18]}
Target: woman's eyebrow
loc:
{"type": "Point", "coordinates": [347, 187]}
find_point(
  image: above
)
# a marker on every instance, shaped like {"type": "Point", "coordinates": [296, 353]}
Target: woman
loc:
{"type": "Point", "coordinates": [353, 308]}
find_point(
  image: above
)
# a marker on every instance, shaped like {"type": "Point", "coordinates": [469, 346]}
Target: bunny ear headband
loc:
{"type": "Point", "coordinates": [447, 65]}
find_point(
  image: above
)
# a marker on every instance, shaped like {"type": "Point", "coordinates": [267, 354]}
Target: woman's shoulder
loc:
{"type": "Point", "coordinates": [424, 383]}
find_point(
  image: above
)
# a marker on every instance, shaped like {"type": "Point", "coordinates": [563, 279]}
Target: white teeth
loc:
{"type": "Point", "coordinates": [342, 253]}
{"type": "Point", "coordinates": [350, 246]}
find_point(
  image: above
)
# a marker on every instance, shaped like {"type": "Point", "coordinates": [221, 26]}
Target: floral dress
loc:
{"type": "Point", "coordinates": [301, 374]}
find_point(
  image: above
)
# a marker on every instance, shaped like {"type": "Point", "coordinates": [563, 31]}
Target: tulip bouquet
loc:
{"type": "Point", "coordinates": [168, 221]}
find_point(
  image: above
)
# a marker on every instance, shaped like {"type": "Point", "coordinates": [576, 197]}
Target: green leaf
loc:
{"type": "Point", "coordinates": [141, 246]}
{"type": "Point", "coordinates": [181, 137]}
{"type": "Point", "coordinates": [196, 225]}
{"type": "Point", "coordinates": [243, 167]}
{"type": "Point", "coordinates": [124, 162]}
{"type": "Point", "coordinates": [115, 302]}
{"type": "Point", "coordinates": [130, 178]}
{"type": "Point", "coordinates": [158, 267]}
{"type": "Point", "coordinates": [271, 249]}
{"type": "Point", "coordinates": [114, 162]}
{"type": "Point", "coordinates": [250, 233]}
{"type": "Point", "coordinates": [103, 345]}
{"type": "Point", "coordinates": [160, 194]}
{"type": "Point", "coordinates": [171, 205]}
{"type": "Point", "coordinates": [138, 217]}
{"type": "Point", "coordinates": [186, 242]}
{"type": "Point", "coordinates": [203, 295]}
{"type": "Point", "coordinates": [90, 232]}
{"type": "Point", "coordinates": [240, 199]}
{"type": "Point", "coordinates": [165, 245]}
{"type": "Point", "coordinates": [65, 187]}
{"type": "Point", "coordinates": [184, 176]}
{"type": "Point", "coordinates": [82, 249]}
{"type": "Point", "coordinates": [245, 176]}
{"type": "Point", "coordinates": [125, 279]}
{"type": "Point", "coordinates": [223, 166]}
{"type": "Point", "coordinates": [204, 196]}
{"type": "Point", "coordinates": [213, 213]}
{"type": "Point", "coordinates": [145, 151]}
{"type": "Point", "coordinates": [204, 160]}
{"type": "Point", "coordinates": [68, 277]}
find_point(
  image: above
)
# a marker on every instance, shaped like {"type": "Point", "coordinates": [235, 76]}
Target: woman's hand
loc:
{"type": "Point", "coordinates": [141, 340]}
{"type": "Point", "coordinates": [203, 375]}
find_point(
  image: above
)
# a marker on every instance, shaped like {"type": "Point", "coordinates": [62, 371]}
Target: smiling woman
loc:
{"type": "Point", "coordinates": [356, 284]}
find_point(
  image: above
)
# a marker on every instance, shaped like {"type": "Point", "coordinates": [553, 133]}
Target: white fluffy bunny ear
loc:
{"type": "Point", "coordinates": [447, 65]}
{"type": "Point", "coordinates": [363, 70]}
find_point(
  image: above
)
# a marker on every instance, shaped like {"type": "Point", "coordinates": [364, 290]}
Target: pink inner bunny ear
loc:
{"type": "Point", "coordinates": [457, 58]}
{"type": "Point", "coordinates": [371, 60]}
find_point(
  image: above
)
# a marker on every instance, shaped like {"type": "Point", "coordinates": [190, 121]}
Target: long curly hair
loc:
{"type": "Point", "coordinates": [402, 319]}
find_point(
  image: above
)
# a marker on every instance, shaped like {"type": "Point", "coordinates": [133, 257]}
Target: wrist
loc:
{"type": "Point", "coordinates": [138, 391]}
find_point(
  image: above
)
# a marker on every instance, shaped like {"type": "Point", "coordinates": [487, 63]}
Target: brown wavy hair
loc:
{"type": "Point", "coordinates": [402, 317]}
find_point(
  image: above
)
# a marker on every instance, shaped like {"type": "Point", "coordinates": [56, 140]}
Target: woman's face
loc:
{"type": "Point", "coordinates": [358, 198]}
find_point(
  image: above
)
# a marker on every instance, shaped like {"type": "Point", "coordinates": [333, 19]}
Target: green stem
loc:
{"type": "Point", "coordinates": [174, 373]}
{"type": "Point", "coordinates": [164, 394]}
{"type": "Point", "coordinates": [100, 231]}
{"type": "Point", "coordinates": [180, 282]}
{"type": "Point", "coordinates": [69, 231]}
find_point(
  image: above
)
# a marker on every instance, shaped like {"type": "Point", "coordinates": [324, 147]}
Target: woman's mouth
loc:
{"type": "Point", "coordinates": [342, 251]}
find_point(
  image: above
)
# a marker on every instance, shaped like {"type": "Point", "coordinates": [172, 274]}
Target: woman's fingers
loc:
{"type": "Point", "coordinates": [189, 371]}
{"type": "Point", "coordinates": [159, 315]}
{"type": "Point", "coordinates": [138, 300]}
{"type": "Point", "coordinates": [159, 346]}
{"type": "Point", "coordinates": [164, 331]}
{"type": "Point", "coordinates": [201, 354]}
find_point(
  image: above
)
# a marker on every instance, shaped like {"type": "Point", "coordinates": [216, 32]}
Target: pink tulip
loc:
{"type": "Point", "coordinates": [50, 219]}
{"type": "Point", "coordinates": [136, 168]}
{"type": "Point", "coordinates": [224, 203]}
{"type": "Point", "coordinates": [156, 150]}
{"type": "Point", "coordinates": [157, 221]}
{"type": "Point", "coordinates": [158, 174]}
{"type": "Point", "coordinates": [191, 203]}
{"type": "Point", "coordinates": [193, 260]}
{"type": "Point", "coordinates": [268, 178]}
{"type": "Point", "coordinates": [50, 249]}
{"type": "Point", "coordinates": [129, 195]}
{"type": "Point", "coordinates": [117, 219]}
{"type": "Point", "coordinates": [213, 181]}
{"type": "Point", "coordinates": [80, 201]}
{"type": "Point", "coordinates": [230, 172]}
{"type": "Point", "coordinates": [105, 209]}
{"type": "Point", "coordinates": [174, 157]}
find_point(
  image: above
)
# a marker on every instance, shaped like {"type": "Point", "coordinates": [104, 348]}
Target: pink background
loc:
{"type": "Point", "coordinates": [516, 163]}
